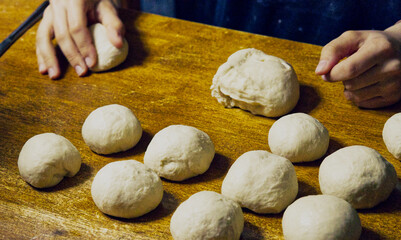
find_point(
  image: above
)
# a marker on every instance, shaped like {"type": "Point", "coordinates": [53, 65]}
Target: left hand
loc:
{"type": "Point", "coordinates": [371, 72]}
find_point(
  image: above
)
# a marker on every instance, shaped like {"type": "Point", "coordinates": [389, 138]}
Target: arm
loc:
{"type": "Point", "coordinates": [67, 21]}
{"type": "Point", "coordinates": [368, 63]}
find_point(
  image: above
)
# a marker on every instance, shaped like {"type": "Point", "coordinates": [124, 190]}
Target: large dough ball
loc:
{"type": "Point", "coordinates": [110, 129]}
{"type": "Point", "coordinates": [359, 175]}
{"type": "Point", "coordinates": [321, 217]}
{"type": "Point", "coordinates": [179, 152]}
{"type": "Point", "coordinates": [261, 181]}
{"type": "Point", "coordinates": [257, 82]}
{"type": "Point", "coordinates": [108, 56]}
{"type": "Point", "coordinates": [392, 135]}
{"type": "Point", "coordinates": [207, 215]}
{"type": "Point", "coordinates": [126, 189]}
{"type": "Point", "coordinates": [298, 137]}
{"type": "Point", "coordinates": [46, 158]}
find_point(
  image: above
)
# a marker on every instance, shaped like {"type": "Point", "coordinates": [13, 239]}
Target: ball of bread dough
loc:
{"type": "Point", "coordinates": [359, 175]}
{"type": "Point", "coordinates": [108, 56]}
{"type": "Point", "coordinates": [46, 158]}
{"type": "Point", "coordinates": [392, 135]}
{"type": "Point", "coordinates": [299, 137]}
{"type": "Point", "coordinates": [126, 189]}
{"type": "Point", "coordinates": [207, 215]}
{"type": "Point", "coordinates": [179, 152]}
{"type": "Point", "coordinates": [321, 217]}
{"type": "Point", "coordinates": [261, 181]}
{"type": "Point", "coordinates": [257, 82]}
{"type": "Point", "coordinates": [110, 129]}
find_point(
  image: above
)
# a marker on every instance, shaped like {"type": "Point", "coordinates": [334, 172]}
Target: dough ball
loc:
{"type": "Point", "coordinates": [179, 152]}
{"type": "Point", "coordinates": [46, 158]}
{"type": "Point", "coordinates": [108, 56]}
{"type": "Point", "coordinates": [392, 135]}
{"type": "Point", "coordinates": [207, 215]}
{"type": "Point", "coordinates": [126, 189]}
{"type": "Point", "coordinates": [359, 175]}
{"type": "Point", "coordinates": [261, 181]}
{"type": "Point", "coordinates": [321, 217]}
{"type": "Point", "coordinates": [110, 129]}
{"type": "Point", "coordinates": [257, 82]}
{"type": "Point", "coordinates": [298, 137]}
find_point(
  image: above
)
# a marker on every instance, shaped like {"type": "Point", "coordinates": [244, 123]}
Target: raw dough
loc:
{"type": "Point", "coordinates": [108, 56]}
{"type": "Point", "coordinates": [359, 175]}
{"type": "Point", "coordinates": [392, 135]}
{"type": "Point", "coordinates": [110, 129]}
{"type": "Point", "coordinates": [321, 217]}
{"type": "Point", "coordinates": [207, 215]}
{"type": "Point", "coordinates": [261, 181]}
{"type": "Point", "coordinates": [298, 137]}
{"type": "Point", "coordinates": [257, 82]}
{"type": "Point", "coordinates": [126, 189]}
{"type": "Point", "coordinates": [179, 152]}
{"type": "Point", "coordinates": [46, 158]}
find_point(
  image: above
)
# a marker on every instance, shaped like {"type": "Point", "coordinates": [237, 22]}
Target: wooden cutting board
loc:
{"type": "Point", "coordinates": [165, 80]}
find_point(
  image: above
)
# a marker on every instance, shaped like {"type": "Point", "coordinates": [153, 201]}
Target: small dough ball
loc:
{"type": "Point", "coordinates": [257, 82]}
{"type": "Point", "coordinates": [110, 129]}
{"type": "Point", "coordinates": [359, 175]}
{"type": "Point", "coordinates": [179, 152]}
{"type": "Point", "coordinates": [299, 137]}
{"type": "Point", "coordinates": [321, 217]}
{"type": "Point", "coordinates": [261, 181]}
{"type": "Point", "coordinates": [392, 135]}
{"type": "Point", "coordinates": [207, 215]}
{"type": "Point", "coordinates": [46, 158]}
{"type": "Point", "coordinates": [126, 189]}
{"type": "Point", "coordinates": [108, 56]}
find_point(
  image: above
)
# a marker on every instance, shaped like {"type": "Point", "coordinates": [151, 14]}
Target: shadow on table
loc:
{"type": "Point", "coordinates": [368, 234]}
{"type": "Point", "coordinates": [136, 150]}
{"type": "Point", "coordinates": [308, 99]}
{"type": "Point", "coordinates": [251, 232]}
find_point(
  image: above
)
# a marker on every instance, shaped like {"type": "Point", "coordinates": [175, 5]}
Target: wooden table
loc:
{"type": "Point", "coordinates": [165, 80]}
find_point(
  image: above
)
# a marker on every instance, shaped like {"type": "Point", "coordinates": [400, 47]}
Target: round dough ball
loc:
{"type": "Point", "coordinates": [179, 152]}
{"type": "Point", "coordinates": [299, 137]}
{"type": "Point", "coordinates": [46, 158]}
{"type": "Point", "coordinates": [392, 135]}
{"type": "Point", "coordinates": [257, 82]}
{"type": "Point", "coordinates": [108, 56]}
{"type": "Point", "coordinates": [207, 215]}
{"type": "Point", "coordinates": [261, 181]}
{"type": "Point", "coordinates": [359, 175]}
{"type": "Point", "coordinates": [126, 189]}
{"type": "Point", "coordinates": [110, 129]}
{"type": "Point", "coordinates": [321, 217]}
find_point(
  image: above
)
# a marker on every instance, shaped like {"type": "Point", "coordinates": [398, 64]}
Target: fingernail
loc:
{"type": "Point", "coordinates": [79, 70]}
{"type": "Point", "coordinates": [320, 66]}
{"type": "Point", "coordinates": [89, 62]}
{"type": "Point", "coordinates": [42, 68]}
{"type": "Point", "coordinates": [325, 78]}
{"type": "Point", "coordinates": [51, 73]}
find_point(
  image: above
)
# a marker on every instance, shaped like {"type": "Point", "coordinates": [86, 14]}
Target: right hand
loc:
{"type": "Point", "coordinates": [67, 22]}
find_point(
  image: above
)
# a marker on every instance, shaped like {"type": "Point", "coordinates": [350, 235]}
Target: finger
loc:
{"type": "Point", "coordinates": [108, 16]}
{"type": "Point", "coordinates": [45, 52]}
{"type": "Point", "coordinates": [363, 94]}
{"type": "Point", "coordinates": [376, 102]}
{"type": "Point", "coordinates": [375, 74]}
{"type": "Point", "coordinates": [336, 50]}
{"type": "Point", "coordinates": [65, 40]}
{"type": "Point", "coordinates": [371, 52]}
{"type": "Point", "coordinates": [80, 34]}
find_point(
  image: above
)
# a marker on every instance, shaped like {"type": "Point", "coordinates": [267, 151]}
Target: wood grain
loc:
{"type": "Point", "coordinates": [165, 80]}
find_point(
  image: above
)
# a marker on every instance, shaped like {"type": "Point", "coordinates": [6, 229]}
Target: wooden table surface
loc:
{"type": "Point", "coordinates": [165, 80]}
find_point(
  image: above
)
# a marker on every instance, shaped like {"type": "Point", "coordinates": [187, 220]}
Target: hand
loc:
{"type": "Point", "coordinates": [371, 70]}
{"type": "Point", "coordinates": [67, 21]}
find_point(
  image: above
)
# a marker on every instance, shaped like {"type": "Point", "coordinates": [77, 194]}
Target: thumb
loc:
{"type": "Point", "coordinates": [341, 47]}
{"type": "Point", "coordinates": [108, 16]}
